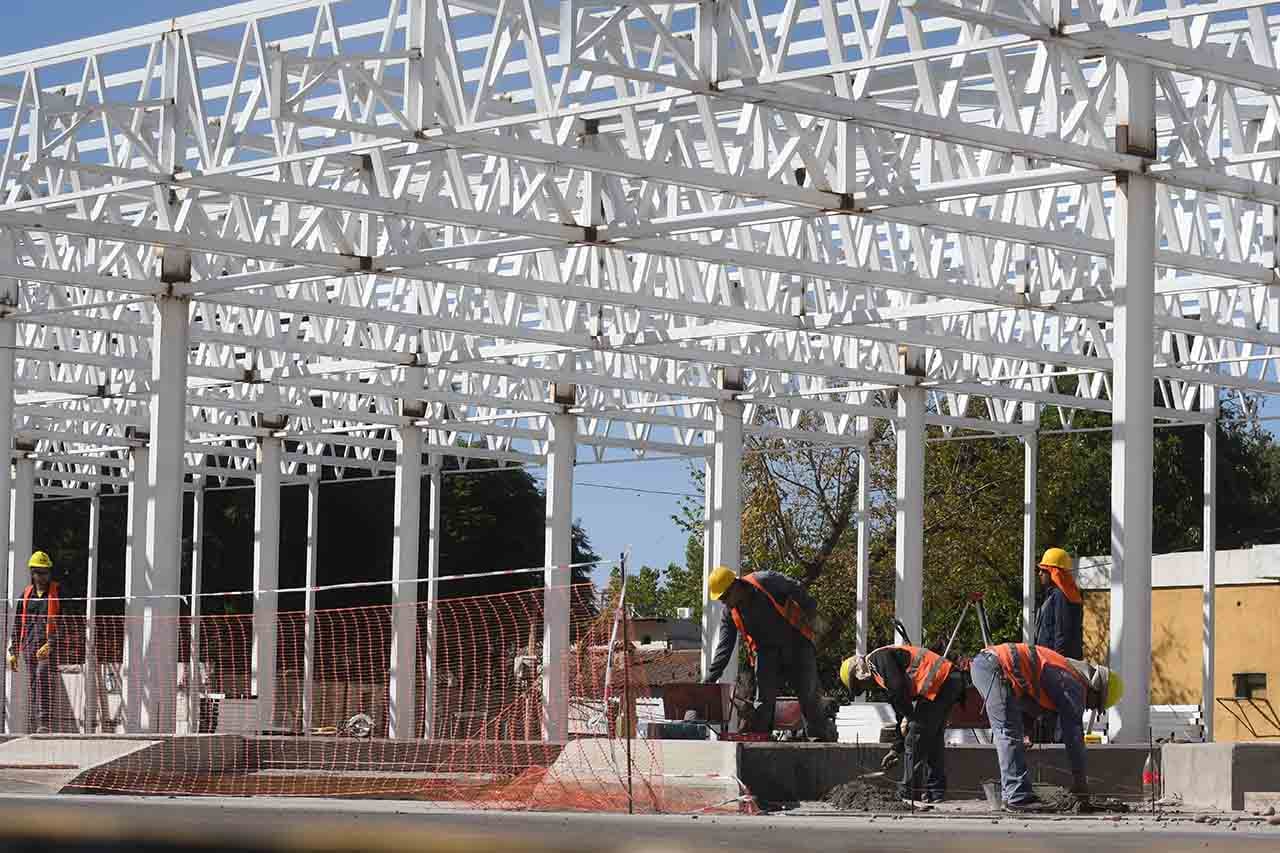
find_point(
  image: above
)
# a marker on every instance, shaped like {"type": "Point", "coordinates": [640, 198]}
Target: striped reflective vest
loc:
{"type": "Point", "coordinates": [926, 672]}
{"type": "Point", "coordinates": [1023, 664]}
{"type": "Point", "coordinates": [791, 613]}
{"type": "Point", "coordinates": [51, 619]}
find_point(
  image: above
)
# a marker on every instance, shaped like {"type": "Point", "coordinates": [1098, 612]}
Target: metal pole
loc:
{"type": "Point", "coordinates": [909, 553]}
{"type": "Point", "coordinates": [710, 618]}
{"type": "Point", "coordinates": [9, 298]}
{"type": "Point", "coordinates": [727, 494]}
{"type": "Point", "coordinates": [1209, 403]}
{"type": "Point", "coordinates": [561, 449]}
{"type": "Point", "coordinates": [162, 580]}
{"type": "Point", "coordinates": [135, 570]}
{"type": "Point", "coordinates": [433, 599]}
{"type": "Point", "coordinates": [626, 685]}
{"type": "Point", "coordinates": [23, 509]}
{"type": "Point", "coordinates": [1133, 283]}
{"type": "Point", "coordinates": [194, 682]}
{"type": "Point", "coordinates": [266, 576]}
{"type": "Point", "coordinates": [1030, 471]}
{"type": "Point", "coordinates": [863, 586]}
{"type": "Point", "coordinates": [89, 713]}
{"type": "Point", "coordinates": [309, 607]}
{"type": "Point", "coordinates": [404, 587]}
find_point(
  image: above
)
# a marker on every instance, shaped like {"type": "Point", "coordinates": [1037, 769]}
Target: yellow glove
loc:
{"type": "Point", "coordinates": [13, 662]}
{"type": "Point", "coordinates": [42, 653]}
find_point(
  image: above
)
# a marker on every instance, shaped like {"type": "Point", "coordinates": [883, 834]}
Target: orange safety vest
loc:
{"type": "Point", "coordinates": [926, 672]}
{"type": "Point", "coordinates": [54, 608]}
{"type": "Point", "coordinates": [791, 612]}
{"type": "Point", "coordinates": [1023, 664]}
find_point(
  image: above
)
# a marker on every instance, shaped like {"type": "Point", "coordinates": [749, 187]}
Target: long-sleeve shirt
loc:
{"type": "Point", "coordinates": [762, 621]}
{"type": "Point", "coordinates": [891, 665]}
{"type": "Point", "coordinates": [40, 611]}
{"type": "Point", "coordinates": [1060, 625]}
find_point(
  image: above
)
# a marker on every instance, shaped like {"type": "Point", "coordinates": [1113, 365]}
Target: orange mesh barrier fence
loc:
{"type": "Point", "coordinates": [117, 726]}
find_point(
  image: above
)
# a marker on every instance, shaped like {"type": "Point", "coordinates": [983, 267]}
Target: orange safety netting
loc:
{"type": "Point", "coordinates": [486, 747]}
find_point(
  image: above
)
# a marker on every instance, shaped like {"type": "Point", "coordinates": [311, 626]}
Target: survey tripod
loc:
{"type": "Point", "coordinates": [974, 600]}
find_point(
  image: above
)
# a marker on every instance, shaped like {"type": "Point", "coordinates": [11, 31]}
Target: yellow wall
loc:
{"type": "Point", "coordinates": [1247, 640]}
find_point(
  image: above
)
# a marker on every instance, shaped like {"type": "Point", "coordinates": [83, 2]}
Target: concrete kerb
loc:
{"type": "Point", "coordinates": [1218, 775]}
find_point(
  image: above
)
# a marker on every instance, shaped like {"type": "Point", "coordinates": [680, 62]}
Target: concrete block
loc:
{"type": "Point", "coordinates": [1218, 775]}
{"type": "Point", "coordinates": [1260, 801]}
{"type": "Point", "coordinates": [665, 775]}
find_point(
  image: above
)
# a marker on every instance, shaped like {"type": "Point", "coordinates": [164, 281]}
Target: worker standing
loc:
{"type": "Point", "coordinates": [32, 638]}
{"type": "Point", "coordinates": [1059, 623]}
{"type": "Point", "coordinates": [779, 624]}
{"type": "Point", "coordinates": [1016, 679]}
{"type": "Point", "coordinates": [922, 686]}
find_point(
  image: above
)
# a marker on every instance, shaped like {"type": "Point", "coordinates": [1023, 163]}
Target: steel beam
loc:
{"type": "Point", "coordinates": [309, 604]}
{"type": "Point", "coordinates": [1030, 559]}
{"type": "Point", "coordinates": [9, 564]}
{"type": "Point", "coordinates": [402, 722]}
{"type": "Point", "coordinates": [1209, 403]}
{"type": "Point", "coordinates": [726, 498]}
{"type": "Point", "coordinates": [863, 586]}
{"type": "Point", "coordinates": [266, 577]}
{"type": "Point", "coordinates": [432, 721]}
{"type": "Point", "coordinates": [135, 573]}
{"type": "Point", "coordinates": [908, 596]}
{"type": "Point", "coordinates": [710, 613]}
{"type": "Point", "coordinates": [1132, 403]}
{"type": "Point", "coordinates": [558, 576]}
{"type": "Point", "coordinates": [195, 684]}
{"type": "Point", "coordinates": [17, 711]}
{"type": "Point", "coordinates": [89, 708]}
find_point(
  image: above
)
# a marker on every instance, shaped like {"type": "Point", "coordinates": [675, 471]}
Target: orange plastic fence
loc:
{"type": "Point", "coordinates": [214, 737]}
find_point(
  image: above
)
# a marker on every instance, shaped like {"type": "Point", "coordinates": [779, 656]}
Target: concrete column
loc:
{"type": "Point", "coordinates": [266, 576]}
{"type": "Point", "coordinates": [404, 583]}
{"type": "Point", "coordinates": [908, 598]}
{"type": "Point", "coordinates": [1209, 403]}
{"type": "Point", "coordinates": [8, 352]}
{"type": "Point", "coordinates": [863, 587]}
{"type": "Point", "coordinates": [561, 452]}
{"type": "Point", "coordinates": [24, 474]}
{"type": "Point", "coordinates": [89, 712]}
{"type": "Point", "coordinates": [726, 511]}
{"type": "Point", "coordinates": [194, 685]}
{"type": "Point", "coordinates": [162, 581]}
{"type": "Point", "coordinates": [309, 608]}
{"type": "Point", "coordinates": [431, 633]}
{"type": "Point", "coordinates": [1030, 557]}
{"type": "Point", "coordinates": [710, 617]}
{"type": "Point", "coordinates": [135, 570]}
{"type": "Point", "coordinates": [1132, 350]}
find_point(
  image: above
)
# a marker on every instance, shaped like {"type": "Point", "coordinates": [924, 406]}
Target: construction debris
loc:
{"type": "Point", "coordinates": [1059, 799]}
{"type": "Point", "coordinates": [862, 796]}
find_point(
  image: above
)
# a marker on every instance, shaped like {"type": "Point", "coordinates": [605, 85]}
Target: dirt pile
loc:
{"type": "Point", "coordinates": [866, 796]}
{"type": "Point", "coordinates": [1059, 799]}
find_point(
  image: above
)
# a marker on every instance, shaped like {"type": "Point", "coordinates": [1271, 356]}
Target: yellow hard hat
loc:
{"type": "Point", "coordinates": [1057, 558]}
{"type": "Point", "coordinates": [1115, 689]}
{"type": "Point", "coordinates": [846, 669]}
{"type": "Point", "coordinates": [39, 560]}
{"type": "Point", "coordinates": [719, 581]}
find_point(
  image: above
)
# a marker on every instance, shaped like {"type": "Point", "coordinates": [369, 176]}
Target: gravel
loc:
{"type": "Point", "coordinates": [863, 796]}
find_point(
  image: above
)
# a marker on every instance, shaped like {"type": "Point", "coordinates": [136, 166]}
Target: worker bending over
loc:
{"type": "Point", "coordinates": [921, 686]}
{"type": "Point", "coordinates": [778, 622]}
{"type": "Point", "coordinates": [1015, 679]}
{"type": "Point", "coordinates": [32, 639]}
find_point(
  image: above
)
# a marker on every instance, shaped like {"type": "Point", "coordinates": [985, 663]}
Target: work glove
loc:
{"type": "Point", "coordinates": [13, 662]}
{"type": "Point", "coordinates": [42, 653]}
{"type": "Point", "coordinates": [818, 623]}
{"type": "Point", "coordinates": [890, 760]}
{"type": "Point", "coordinates": [902, 726]}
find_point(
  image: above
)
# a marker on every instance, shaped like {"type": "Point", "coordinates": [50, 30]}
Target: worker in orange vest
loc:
{"type": "Point", "coordinates": [779, 624]}
{"type": "Point", "coordinates": [32, 638]}
{"type": "Point", "coordinates": [922, 686]}
{"type": "Point", "coordinates": [1015, 679]}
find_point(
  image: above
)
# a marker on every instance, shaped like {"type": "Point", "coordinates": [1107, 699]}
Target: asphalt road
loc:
{"type": "Point", "coordinates": [142, 825]}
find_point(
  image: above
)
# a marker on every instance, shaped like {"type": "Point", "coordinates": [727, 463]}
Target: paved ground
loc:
{"type": "Point", "coordinates": [53, 824]}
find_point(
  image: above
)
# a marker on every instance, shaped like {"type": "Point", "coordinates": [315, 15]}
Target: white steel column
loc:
{"type": "Point", "coordinates": [404, 583]}
{"type": "Point", "coordinates": [561, 451]}
{"type": "Point", "coordinates": [266, 576]}
{"type": "Point", "coordinates": [162, 581]}
{"type": "Point", "coordinates": [194, 683]}
{"type": "Point", "coordinates": [726, 511]}
{"type": "Point", "coordinates": [1133, 284]}
{"type": "Point", "coordinates": [710, 613]}
{"type": "Point", "coordinates": [8, 352]}
{"type": "Point", "coordinates": [1209, 403]}
{"type": "Point", "coordinates": [135, 569]}
{"type": "Point", "coordinates": [431, 633]}
{"type": "Point", "coordinates": [908, 597]}
{"type": "Point", "coordinates": [24, 472]}
{"type": "Point", "coordinates": [863, 587]}
{"type": "Point", "coordinates": [309, 607]}
{"type": "Point", "coordinates": [1030, 559]}
{"type": "Point", "coordinates": [89, 713]}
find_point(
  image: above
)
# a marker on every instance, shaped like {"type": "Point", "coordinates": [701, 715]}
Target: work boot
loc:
{"type": "Point", "coordinates": [1031, 806]}
{"type": "Point", "coordinates": [933, 796]}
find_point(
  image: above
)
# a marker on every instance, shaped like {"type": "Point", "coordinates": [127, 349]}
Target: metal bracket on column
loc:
{"type": "Point", "coordinates": [175, 265]}
{"type": "Point", "coordinates": [731, 379]}
{"type": "Point", "coordinates": [911, 360]}
{"type": "Point", "coordinates": [273, 421]}
{"type": "Point", "coordinates": [137, 435]}
{"type": "Point", "coordinates": [564, 393]}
